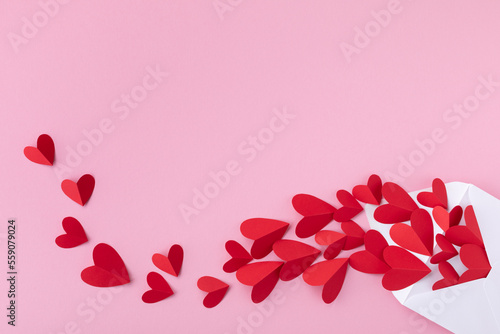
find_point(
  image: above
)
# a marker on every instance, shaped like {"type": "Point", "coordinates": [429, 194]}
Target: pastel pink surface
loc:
{"type": "Point", "coordinates": [352, 119]}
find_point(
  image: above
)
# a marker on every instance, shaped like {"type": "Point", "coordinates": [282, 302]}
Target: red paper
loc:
{"type": "Point", "coordinates": [215, 288]}
{"type": "Point", "coordinates": [264, 232]}
{"type": "Point", "coordinates": [371, 260]}
{"type": "Point", "coordinates": [75, 234]}
{"type": "Point", "coordinates": [419, 237]}
{"type": "Point", "coordinates": [172, 263]}
{"type": "Point", "coordinates": [355, 235]}
{"type": "Point", "coordinates": [471, 222]}
{"type": "Point", "coordinates": [406, 269]}
{"type": "Point", "coordinates": [262, 276]}
{"type": "Point", "coordinates": [448, 251]}
{"type": "Point", "coordinates": [400, 206]}
{"type": "Point", "coordinates": [317, 214]}
{"type": "Point", "coordinates": [438, 196]}
{"type": "Point", "coordinates": [44, 151]}
{"type": "Point", "coordinates": [371, 193]}
{"type": "Point", "coordinates": [334, 240]}
{"type": "Point", "coordinates": [469, 234]}
{"type": "Point", "coordinates": [109, 269]}
{"type": "Point", "coordinates": [475, 259]}
{"type": "Point", "coordinates": [450, 276]}
{"type": "Point", "coordinates": [80, 191]}
{"type": "Point", "coordinates": [446, 219]}
{"type": "Point", "coordinates": [160, 289]}
{"type": "Point", "coordinates": [239, 255]}
{"type": "Point", "coordinates": [330, 274]}
{"type": "Point", "coordinates": [298, 256]}
{"type": "Point", "coordinates": [350, 208]}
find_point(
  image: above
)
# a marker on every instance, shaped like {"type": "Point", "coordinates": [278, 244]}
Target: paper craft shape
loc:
{"type": "Point", "coordinates": [446, 219]}
{"type": "Point", "coordinates": [239, 256]}
{"type": "Point", "coordinates": [448, 251]}
{"type": "Point", "coordinates": [475, 259]}
{"type": "Point", "coordinates": [334, 240]}
{"type": "Point", "coordinates": [419, 237]}
{"type": "Point", "coordinates": [436, 197]}
{"type": "Point", "coordinates": [264, 232]}
{"type": "Point", "coordinates": [350, 208]}
{"type": "Point", "coordinates": [450, 276]}
{"type": "Point", "coordinates": [75, 234]}
{"type": "Point", "coordinates": [298, 256]}
{"type": "Point", "coordinates": [80, 191]}
{"type": "Point", "coordinates": [400, 205]}
{"type": "Point", "coordinates": [371, 260]}
{"type": "Point", "coordinates": [406, 268]}
{"type": "Point", "coordinates": [172, 263]}
{"type": "Point", "coordinates": [330, 274]}
{"type": "Point", "coordinates": [317, 214]}
{"type": "Point", "coordinates": [371, 193]}
{"type": "Point", "coordinates": [215, 288]}
{"type": "Point", "coordinates": [160, 289]}
{"type": "Point", "coordinates": [108, 269]}
{"type": "Point", "coordinates": [44, 151]}
{"type": "Point", "coordinates": [262, 276]}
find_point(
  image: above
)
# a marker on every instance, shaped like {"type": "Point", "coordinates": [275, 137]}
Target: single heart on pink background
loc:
{"type": "Point", "coordinates": [75, 234]}
{"type": "Point", "coordinates": [172, 263]}
{"type": "Point", "coordinates": [215, 288]}
{"type": "Point", "coordinates": [160, 289]}
{"type": "Point", "coordinates": [44, 151]}
{"type": "Point", "coordinates": [80, 191]}
{"type": "Point", "coordinates": [108, 269]}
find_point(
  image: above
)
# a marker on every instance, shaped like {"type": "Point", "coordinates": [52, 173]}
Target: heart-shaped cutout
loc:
{"type": "Point", "coordinates": [108, 269]}
{"type": "Point", "coordinates": [262, 276]}
{"type": "Point", "coordinates": [450, 276]}
{"type": "Point", "coordinates": [370, 193]}
{"type": "Point", "coordinates": [239, 256]}
{"type": "Point", "coordinates": [475, 259]}
{"type": "Point", "coordinates": [334, 240]}
{"type": "Point", "coordinates": [172, 263]}
{"type": "Point", "coordinates": [437, 197]}
{"type": "Point", "coordinates": [264, 232]}
{"type": "Point", "coordinates": [448, 251]}
{"type": "Point", "coordinates": [75, 234]}
{"type": "Point", "coordinates": [160, 289]}
{"type": "Point", "coordinates": [406, 269]}
{"type": "Point", "coordinates": [419, 237]}
{"type": "Point", "coordinates": [371, 260]}
{"type": "Point", "coordinates": [330, 274]}
{"type": "Point", "coordinates": [80, 191]}
{"type": "Point", "coordinates": [350, 207]}
{"type": "Point", "coordinates": [469, 234]}
{"type": "Point", "coordinates": [317, 214]}
{"type": "Point", "coordinates": [215, 288]}
{"type": "Point", "coordinates": [446, 219]}
{"type": "Point", "coordinates": [355, 235]}
{"type": "Point", "coordinates": [298, 256]}
{"type": "Point", "coordinates": [400, 206]}
{"type": "Point", "coordinates": [44, 151]}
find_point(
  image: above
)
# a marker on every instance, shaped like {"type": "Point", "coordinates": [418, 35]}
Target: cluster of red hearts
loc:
{"type": "Point", "coordinates": [412, 232]}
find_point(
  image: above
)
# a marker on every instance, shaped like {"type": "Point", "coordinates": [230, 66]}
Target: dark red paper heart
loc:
{"type": "Point", "coordinates": [239, 255]}
{"type": "Point", "coordinates": [446, 219]}
{"type": "Point", "coordinates": [317, 214]}
{"type": "Point", "coordinates": [298, 256]}
{"type": "Point", "coordinates": [448, 251]}
{"type": "Point", "coordinates": [400, 206]}
{"type": "Point", "coordinates": [437, 197]}
{"type": "Point", "coordinates": [262, 276]}
{"type": "Point", "coordinates": [371, 260]}
{"type": "Point", "coordinates": [406, 269]}
{"type": "Point", "coordinates": [172, 263]}
{"type": "Point", "coordinates": [108, 270]}
{"type": "Point", "coordinates": [44, 151]}
{"type": "Point", "coordinates": [264, 232]}
{"type": "Point", "coordinates": [75, 234]}
{"type": "Point", "coordinates": [468, 234]}
{"type": "Point", "coordinates": [215, 288]}
{"type": "Point", "coordinates": [450, 276]}
{"type": "Point", "coordinates": [419, 237]}
{"type": "Point", "coordinates": [371, 193]}
{"type": "Point", "coordinates": [475, 259]}
{"type": "Point", "coordinates": [355, 235]}
{"type": "Point", "coordinates": [160, 289]}
{"type": "Point", "coordinates": [334, 240]}
{"type": "Point", "coordinates": [350, 207]}
{"type": "Point", "coordinates": [330, 274]}
{"type": "Point", "coordinates": [80, 191]}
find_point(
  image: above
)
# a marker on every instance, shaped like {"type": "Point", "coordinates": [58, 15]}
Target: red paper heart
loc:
{"type": "Point", "coordinates": [419, 237]}
{"type": "Point", "coordinates": [239, 255]}
{"type": "Point", "coordinates": [216, 290]}
{"type": "Point", "coordinates": [448, 251]}
{"type": "Point", "coordinates": [468, 234]}
{"type": "Point", "coordinates": [330, 274]}
{"type": "Point", "coordinates": [406, 269]}
{"type": "Point", "coordinates": [264, 232]}
{"type": "Point", "coordinates": [75, 234]}
{"type": "Point", "coordinates": [371, 260]}
{"type": "Point", "coordinates": [475, 259]}
{"type": "Point", "coordinates": [450, 276]}
{"type": "Point", "coordinates": [371, 193]}
{"type": "Point", "coordinates": [355, 235]}
{"type": "Point", "coordinates": [44, 151]}
{"type": "Point", "coordinates": [109, 269]}
{"type": "Point", "coordinates": [317, 214]}
{"type": "Point", "coordinates": [350, 208]}
{"type": "Point", "coordinates": [446, 220]}
{"type": "Point", "coordinates": [160, 289]}
{"type": "Point", "coordinates": [471, 222]}
{"type": "Point", "coordinates": [80, 191]}
{"type": "Point", "coordinates": [438, 196]}
{"type": "Point", "coordinates": [262, 276]}
{"type": "Point", "coordinates": [400, 206]}
{"type": "Point", "coordinates": [334, 240]}
{"type": "Point", "coordinates": [298, 256]}
{"type": "Point", "coordinates": [172, 263]}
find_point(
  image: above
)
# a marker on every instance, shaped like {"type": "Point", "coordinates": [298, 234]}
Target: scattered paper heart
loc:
{"type": "Point", "coordinates": [450, 276]}
{"type": "Point", "coordinates": [371, 260]}
{"type": "Point", "coordinates": [406, 269]}
{"type": "Point", "coordinates": [215, 288]}
{"type": "Point", "coordinates": [400, 206]}
{"type": "Point", "coordinates": [264, 232]}
{"type": "Point", "coordinates": [44, 151]}
{"type": "Point", "coordinates": [334, 240]}
{"type": "Point", "coordinates": [350, 208]}
{"type": "Point", "coordinates": [108, 270]}
{"type": "Point", "coordinates": [437, 197]}
{"type": "Point", "coordinates": [330, 274]}
{"type": "Point", "coordinates": [317, 214]}
{"type": "Point", "coordinates": [75, 234]}
{"type": "Point", "coordinates": [160, 289]}
{"type": "Point", "coordinates": [262, 276]}
{"type": "Point", "coordinates": [448, 251]}
{"type": "Point", "coordinates": [370, 193]}
{"type": "Point", "coordinates": [298, 256]}
{"type": "Point", "coordinates": [172, 263]}
{"type": "Point", "coordinates": [446, 219]}
{"type": "Point", "coordinates": [475, 259]}
{"type": "Point", "coordinates": [419, 237]}
{"type": "Point", "coordinates": [80, 191]}
{"type": "Point", "coordinates": [239, 256]}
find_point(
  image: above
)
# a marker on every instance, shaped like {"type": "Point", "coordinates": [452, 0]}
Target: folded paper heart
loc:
{"type": "Point", "coordinates": [317, 214]}
{"type": "Point", "coordinates": [215, 288]}
{"type": "Point", "coordinates": [468, 234]}
{"type": "Point", "coordinates": [80, 191]}
{"type": "Point", "coordinates": [448, 251]}
{"type": "Point", "coordinates": [370, 193]}
{"type": "Point", "coordinates": [406, 269]}
{"type": "Point", "coordinates": [400, 206]}
{"type": "Point", "coordinates": [160, 289]}
{"type": "Point", "coordinates": [75, 234]}
{"type": "Point", "coordinates": [330, 274]}
{"type": "Point", "coordinates": [44, 151]}
{"type": "Point", "coordinates": [475, 259]}
{"type": "Point", "coordinates": [355, 235]}
{"type": "Point", "coordinates": [334, 240]}
{"type": "Point", "coordinates": [172, 263]}
{"type": "Point", "coordinates": [450, 276]}
{"type": "Point", "coordinates": [446, 219]}
{"type": "Point", "coordinates": [108, 269]}
{"type": "Point", "coordinates": [298, 256]}
{"type": "Point", "coordinates": [264, 232]}
{"type": "Point", "coordinates": [261, 276]}
{"type": "Point", "coordinates": [350, 207]}
{"type": "Point", "coordinates": [419, 237]}
{"type": "Point", "coordinates": [437, 197]}
{"type": "Point", "coordinates": [239, 256]}
{"type": "Point", "coordinates": [371, 260]}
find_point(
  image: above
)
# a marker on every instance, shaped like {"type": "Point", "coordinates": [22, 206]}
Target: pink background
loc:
{"type": "Point", "coordinates": [226, 75]}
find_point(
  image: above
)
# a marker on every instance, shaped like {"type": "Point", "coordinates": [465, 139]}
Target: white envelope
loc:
{"type": "Point", "coordinates": [472, 307]}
